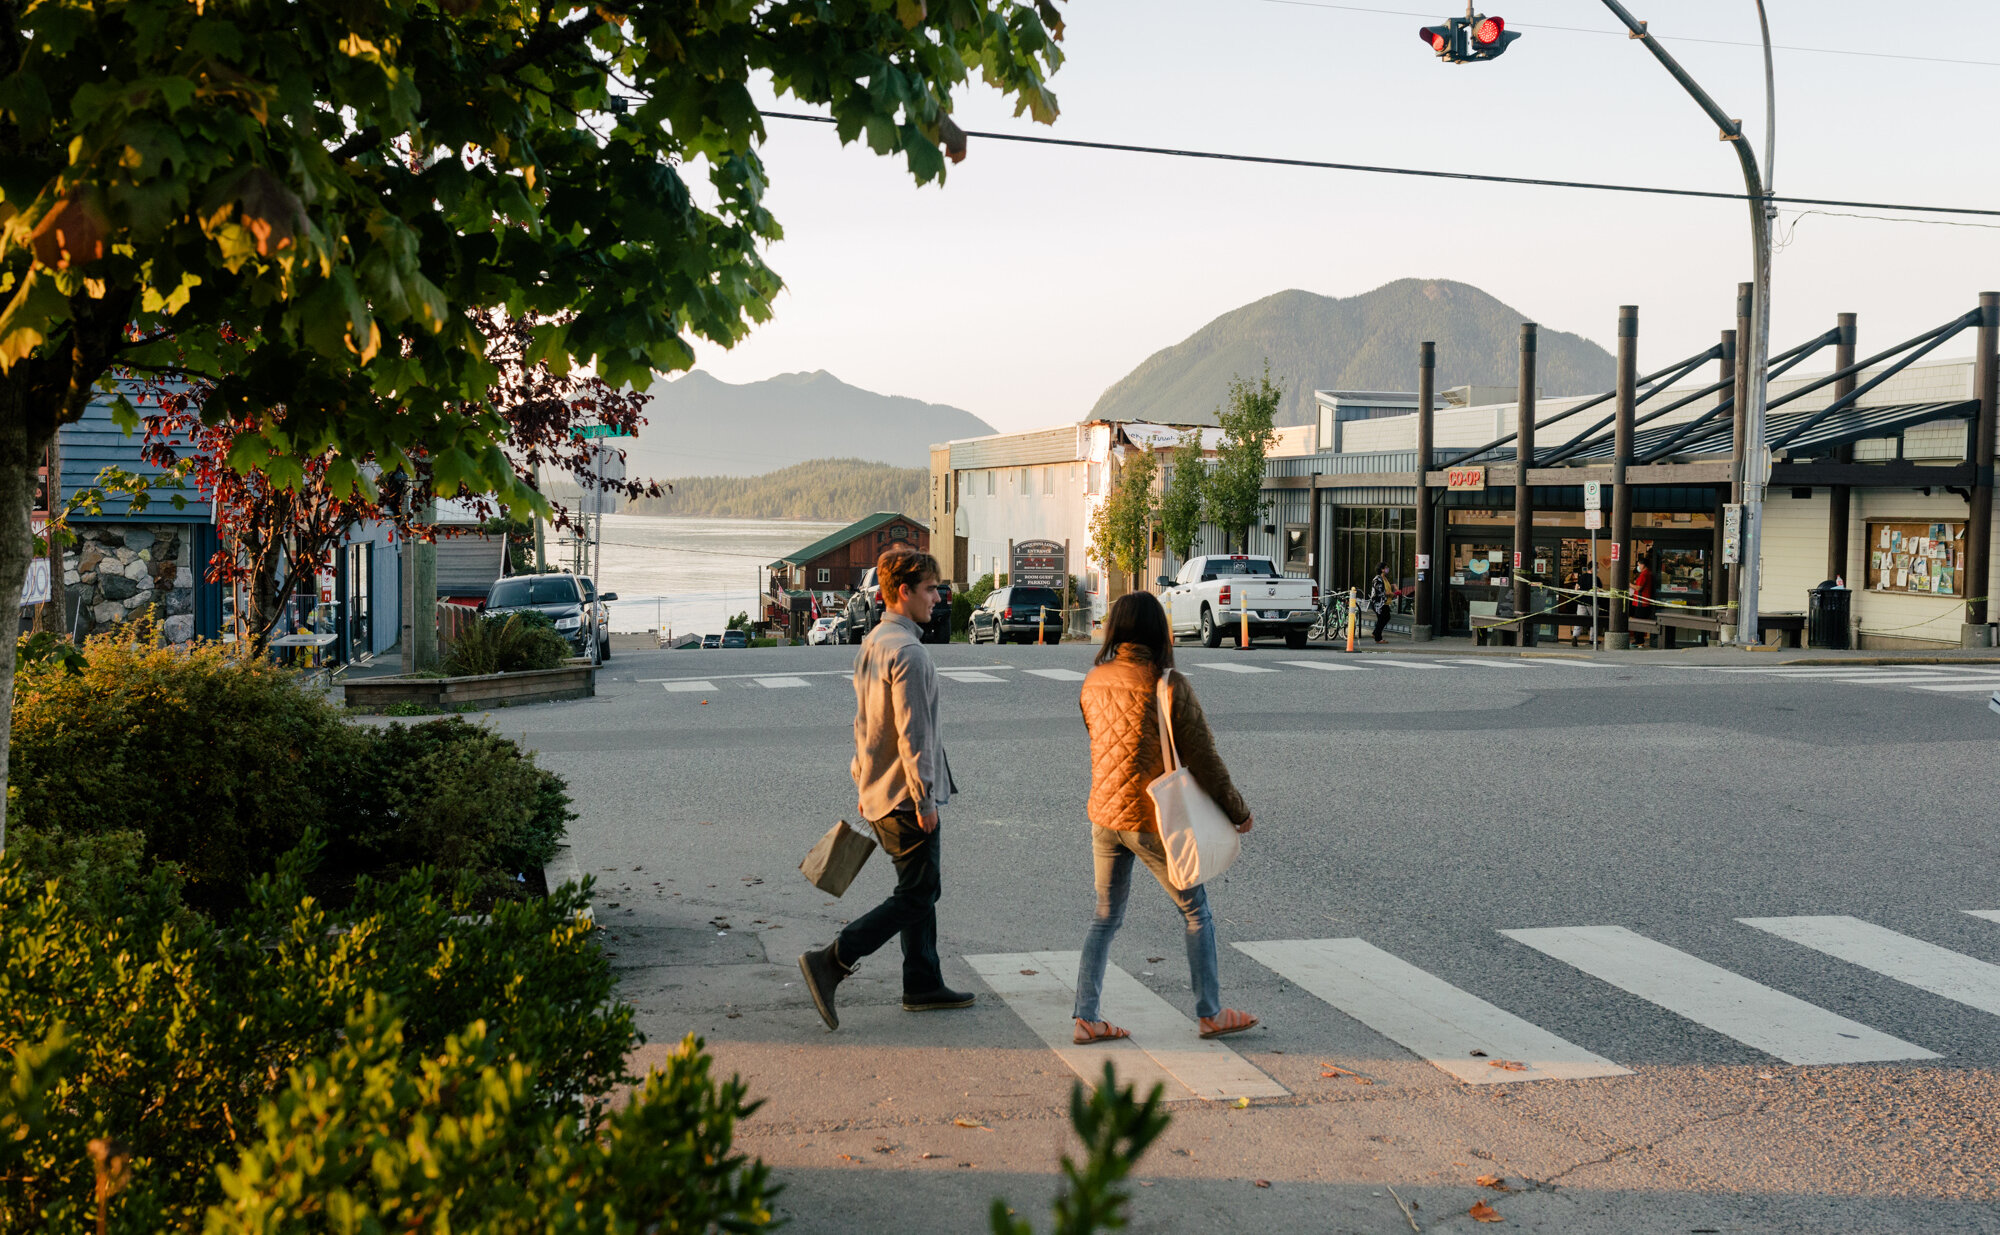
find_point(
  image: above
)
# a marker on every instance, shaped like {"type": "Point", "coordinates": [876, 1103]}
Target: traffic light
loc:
{"type": "Point", "coordinates": [1462, 40]}
{"type": "Point", "coordinates": [1490, 37]}
{"type": "Point", "coordinates": [1447, 40]}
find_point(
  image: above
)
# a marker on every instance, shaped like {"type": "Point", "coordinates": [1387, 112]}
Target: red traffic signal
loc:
{"type": "Point", "coordinates": [1490, 37]}
{"type": "Point", "coordinates": [1439, 37]}
{"type": "Point", "coordinates": [1448, 40]}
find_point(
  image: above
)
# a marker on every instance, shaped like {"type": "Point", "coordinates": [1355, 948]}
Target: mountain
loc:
{"type": "Point", "coordinates": [832, 490]}
{"type": "Point", "coordinates": [1365, 342]}
{"type": "Point", "coordinates": [700, 425]}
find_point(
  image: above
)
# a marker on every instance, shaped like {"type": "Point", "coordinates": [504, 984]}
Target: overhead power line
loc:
{"type": "Point", "coordinates": [1427, 173]}
{"type": "Point", "coordinates": [1670, 38]}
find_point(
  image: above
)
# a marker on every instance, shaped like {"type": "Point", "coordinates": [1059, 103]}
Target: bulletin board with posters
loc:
{"type": "Point", "coordinates": [1918, 558]}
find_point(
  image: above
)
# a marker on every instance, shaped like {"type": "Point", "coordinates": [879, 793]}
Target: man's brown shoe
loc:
{"type": "Point", "coordinates": [938, 1000]}
{"type": "Point", "coordinates": [823, 971]}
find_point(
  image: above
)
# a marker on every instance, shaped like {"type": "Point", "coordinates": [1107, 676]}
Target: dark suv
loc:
{"type": "Point", "coordinates": [569, 601]}
{"type": "Point", "coordinates": [1018, 613]}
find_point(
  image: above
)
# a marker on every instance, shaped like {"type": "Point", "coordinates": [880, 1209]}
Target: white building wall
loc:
{"type": "Point", "coordinates": [1888, 618]}
{"type": "Point", "coordinates": [1794, 549]}
{"type": "Point", "coordinates": [1050, 505]}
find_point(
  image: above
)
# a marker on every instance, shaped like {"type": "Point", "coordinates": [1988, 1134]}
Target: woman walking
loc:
{"type": "Point", "coordinates": [1121, 710]}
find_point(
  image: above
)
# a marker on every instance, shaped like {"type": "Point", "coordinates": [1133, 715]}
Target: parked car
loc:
{"type": "Point", "coordinates": [711, 641]}
{"type": "Point", "coordinates": [1018, 614]}
{"type": "Point", "coordinates": [865, 608]}
{"type": "Point", "coordinates": [830, 628]}
{"type": "Point", "coordinates": [571, 601]}
{"type": "Point", "coordinates": [1210, 595]}
{"type": "Point", "coordinates": [736, 638]}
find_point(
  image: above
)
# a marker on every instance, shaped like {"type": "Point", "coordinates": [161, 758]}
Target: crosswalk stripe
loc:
{"type": "Point", "coordinates": [1557, 662]}
{"type": "Point", "coordinates": [1056, 675]}
{"type": "Point", "coordinates": [1402, 664]}
{"type": "Point", "coordinates": [1330, 665]}
{"type": "Point", "coordinates": [1228, 667]}
{"type": "Point", "coordinates": [1168, 1041]}
{"type": "Point", "coordinates": [969, 675]}
{"type": "Point", "coordinates": [1892, 679]}
{"type": "Point", "coordinates": [1433, 1019]}
{"type": "Point", "coordinates": [1913, 962]}
{"type": "Point", "coordinates": [1728, 1003]}
{"type": "Point", "coordinates": [1487, 662]}
{"type": "Point", "coordinates": [1044, 1002]}
{"type": "Point", "coordinates": [784, 683]}
{"type": "Point", "coordinates": [686, 687]}
{"type": "Point", "coordinates": [1991, 915]}
{"type": "Point", "coordinates": [1961, 687]}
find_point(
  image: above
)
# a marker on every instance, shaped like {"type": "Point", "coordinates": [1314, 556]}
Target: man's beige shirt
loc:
{"type": "Point", "coordinates": [899, 760]}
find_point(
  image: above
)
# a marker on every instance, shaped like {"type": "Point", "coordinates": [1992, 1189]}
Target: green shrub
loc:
{"type": "Point", "coordinates": [450, 795]}
{"type": "Point", "coordinates": [222, 765]}
{"type": "Point", "coordinates": [512, 643]}
{"type": "Point", "coordinates": [962, 606]}
{"type": "Point", "coordinates": [1116, 1128]}
{"type": "Point", "coordinates": [173, 1041]}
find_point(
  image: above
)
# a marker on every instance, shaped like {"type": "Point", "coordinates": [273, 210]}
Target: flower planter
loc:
{"type": "Point", "coordinates": [489, 690]}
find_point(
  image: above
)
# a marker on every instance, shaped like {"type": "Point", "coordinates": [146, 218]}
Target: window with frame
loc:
{"type": "Point", "coordinates": [1048, 482]}
{"type": "Point", "coordinates": [990, 474]}
{"type": "Point", "coordinates": [1298, 546]}
{"type": "Point", "coordinates": [825, 575]}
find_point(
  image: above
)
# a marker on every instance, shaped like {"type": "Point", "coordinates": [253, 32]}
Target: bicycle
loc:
{"type": "Point", "coordinates": [1332, 621]}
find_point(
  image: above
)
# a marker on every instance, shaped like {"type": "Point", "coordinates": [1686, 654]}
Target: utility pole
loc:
{"type": "Point", "coordinates": [1757, 347]}
{"type": "Point", "coordinates": [1524, 495]}
{"type": "Point", "coordinates": [1422, 623]}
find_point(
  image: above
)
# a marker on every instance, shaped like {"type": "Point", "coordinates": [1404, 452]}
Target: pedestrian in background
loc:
{"type": "Point", "coordinates": [1380, 593]}
{"type": "Point", "coordinates": [1121, 710]}
{"type": "Point", "coordinates": [1643, 584]}
{"type": "Point", "coordinates": [903, 778]}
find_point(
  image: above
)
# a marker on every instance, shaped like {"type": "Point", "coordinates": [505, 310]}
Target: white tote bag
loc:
{"type": "Point", "coordinates": [1200, 841]}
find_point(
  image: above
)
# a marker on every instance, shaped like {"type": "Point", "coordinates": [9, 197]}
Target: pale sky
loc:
{"type": "Point", "coordinates": [1036, 277]}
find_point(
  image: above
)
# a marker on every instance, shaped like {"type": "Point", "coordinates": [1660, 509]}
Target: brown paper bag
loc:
{"type": "Point", "coordinates": [837, 858]}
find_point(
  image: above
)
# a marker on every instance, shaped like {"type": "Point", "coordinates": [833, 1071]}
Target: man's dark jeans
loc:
{"type": "Point", "coordinates": [911, 909]}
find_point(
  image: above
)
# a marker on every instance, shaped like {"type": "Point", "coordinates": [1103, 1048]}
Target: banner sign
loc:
{"type": "Point", "coordinates": [35, 586]}
{"type": "Point", "coordinates": [1732, 533]}
{"type": "Point", "coordinates": [1039, 563]}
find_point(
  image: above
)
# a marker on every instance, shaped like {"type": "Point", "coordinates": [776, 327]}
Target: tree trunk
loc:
{"type": "Point", "coordinates": [53, 614]}
{"type": "Point", "coordinates": [20, 454]}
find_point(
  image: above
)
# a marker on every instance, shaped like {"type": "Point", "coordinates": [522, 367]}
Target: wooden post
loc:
{"type": "Point", "coordinates": [1620, 636]}
{"type": "Point", "coordinates": [1840, 498]}
{"type": "Point", "coordinates": [1718, 578]}
{"type": "Point", "coordinates": [1738, 432]}
{"type": "Point", "coordinates": [1010, 566]}
{"type": "Point", "coordinates": [1069, 592]}
{"type": "Point", "coordinates": [1422, 624]}
{"type": "Point", "coordinates": [1979, 533]}
{"type": "Point", "coordinates": [1524, 495]}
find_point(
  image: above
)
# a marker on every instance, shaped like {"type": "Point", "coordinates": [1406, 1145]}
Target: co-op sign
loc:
{"type": "Point", "coordinates": [1039, 563]}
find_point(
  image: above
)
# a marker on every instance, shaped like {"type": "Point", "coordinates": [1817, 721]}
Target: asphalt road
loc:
{"type": "Point", "coordinates": [1423, 807]}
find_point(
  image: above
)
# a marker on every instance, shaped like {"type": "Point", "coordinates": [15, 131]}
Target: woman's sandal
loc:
{"type": "Point", "coordinates": [1231, 1021]}
{"type": "Point", "coordinates": [1097, 1031]}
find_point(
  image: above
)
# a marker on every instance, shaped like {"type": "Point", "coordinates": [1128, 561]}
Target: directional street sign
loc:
{"type": "Point", "coordinates": [590, 431]}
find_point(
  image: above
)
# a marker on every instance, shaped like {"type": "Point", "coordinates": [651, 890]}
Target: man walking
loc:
{"type": "Point", "coordinates": [1379, 593]}
{"type": "Point", "coordinates": [902, 776]}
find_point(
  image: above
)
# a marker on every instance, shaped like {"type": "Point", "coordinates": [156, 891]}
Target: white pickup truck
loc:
{"type": "Point", "coordinates": [1210, 594]}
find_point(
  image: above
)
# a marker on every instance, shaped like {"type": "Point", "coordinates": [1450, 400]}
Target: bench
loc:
{"type": "Point", "coordinates": [1791, 625]}
{"type": "Point", "coordinates": [1671, 620]}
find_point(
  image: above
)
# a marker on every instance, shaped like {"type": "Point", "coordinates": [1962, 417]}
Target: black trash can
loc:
{"type": "Point", "coordinates": [1826, 615]}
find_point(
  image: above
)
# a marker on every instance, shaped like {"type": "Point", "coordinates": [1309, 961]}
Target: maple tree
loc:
{"type": "Point", "coordinates": [349, 184]}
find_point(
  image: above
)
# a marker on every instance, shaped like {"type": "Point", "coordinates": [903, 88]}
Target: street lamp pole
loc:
{"type": "Point", "coordinates": [1756, 459]}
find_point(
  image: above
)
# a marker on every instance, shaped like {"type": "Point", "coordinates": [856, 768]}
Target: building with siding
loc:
{"type": "Point", "coordinates": [126, 560]}
{"type": "Point", "coordinates": [832, 566]}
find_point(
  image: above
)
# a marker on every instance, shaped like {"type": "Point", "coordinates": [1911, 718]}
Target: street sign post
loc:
{"type": "Point", "coordinates": [1732, 533]}
{"type": "Point", "coordinates": [586, 432]}
{"type": "Point", "coordinates": [1039, 563]}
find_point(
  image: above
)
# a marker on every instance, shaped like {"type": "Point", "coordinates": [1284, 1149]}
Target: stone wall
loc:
{"type": "Point", "coordinates": [116, 569]}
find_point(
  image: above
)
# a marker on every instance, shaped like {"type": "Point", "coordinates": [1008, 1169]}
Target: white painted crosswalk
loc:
{"type": "Point", "coordinates": [1937, 679]}
{"type": "Point", "coordinates": [1472, 1036]}
{"type": "Point", "coordinates": [1459, 1032]}
{"type": "Point", "coordinates": [1730, 1004]}
{"type": "Point", "coordinates": [1165, 1046]}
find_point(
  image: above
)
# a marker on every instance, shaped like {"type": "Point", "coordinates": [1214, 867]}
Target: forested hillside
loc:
{"type": "Point", "coordinates": [825, 489]}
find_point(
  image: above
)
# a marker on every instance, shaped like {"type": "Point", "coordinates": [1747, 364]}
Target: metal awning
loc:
{"type": "Point", "coordinates": [1847, 425]}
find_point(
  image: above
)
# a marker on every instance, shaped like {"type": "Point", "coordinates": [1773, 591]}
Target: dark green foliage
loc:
{"type": "Point", "coordinates": [740, 622]}
{"type": "Point", "coordinates": [449, 795]}
{"type": "Point", "coordinates": [511, 643]}
{"type": "Point", "coordinates": [1116, 1129]}
{"type": "Point", "coordinates": [962, 606]}
{"type": "Point", "coordinates": [170, 1035]}
{"type": "Point", "coordinates": [1180, 497]}
{"type": "Point", "coordinates": [47, 645]}
{"type": "Point", "coordinates": [98, 871]}
{"type": "Point", "coordinates": [833, 490]}
{"type": "Point", "coordinates": [220, 766]}
{"type": "Point", "coordinates": [1233, 491]}
{"type": "Point", "coordinates": [1365, 342]}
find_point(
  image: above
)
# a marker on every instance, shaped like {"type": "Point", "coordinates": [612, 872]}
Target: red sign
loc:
{"type": "Point", "coordinates": [1517, 559]}
{"type": "Point", "coordinates": [1614, 550]}
{"type": "Point", "coordinates": [1465, 478]}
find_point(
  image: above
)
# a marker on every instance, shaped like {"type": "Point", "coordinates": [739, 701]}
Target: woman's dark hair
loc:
{"type": "Point", "coordinates": [1137, 617]}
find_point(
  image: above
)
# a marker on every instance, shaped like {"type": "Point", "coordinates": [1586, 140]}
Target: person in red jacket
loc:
{"type": "Point", "coordinates": [1642, 589]}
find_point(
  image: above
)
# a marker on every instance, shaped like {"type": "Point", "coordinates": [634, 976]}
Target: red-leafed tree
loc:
{"type": "Point", "coordinates": [283, 513]}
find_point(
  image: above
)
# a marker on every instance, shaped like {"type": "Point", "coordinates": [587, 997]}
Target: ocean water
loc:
{"type": "Point", "coordinates": [689, 575]}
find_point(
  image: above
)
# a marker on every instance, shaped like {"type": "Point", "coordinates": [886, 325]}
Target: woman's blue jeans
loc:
{"type": "Point", "coordinates": [1113, 853]}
